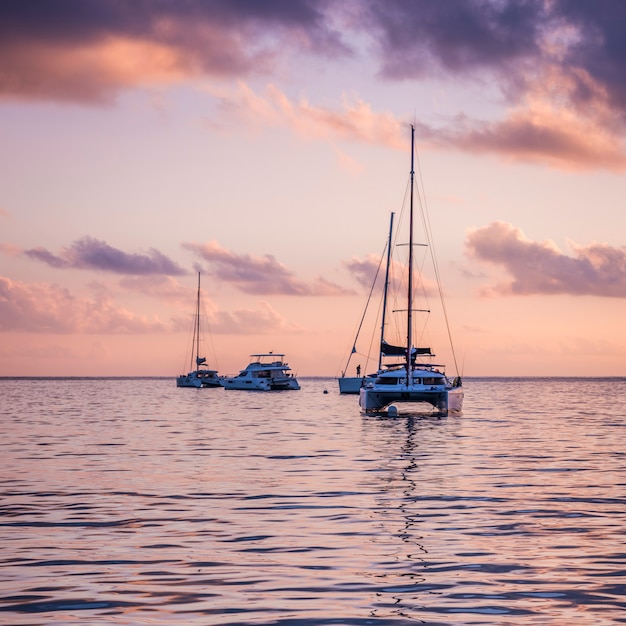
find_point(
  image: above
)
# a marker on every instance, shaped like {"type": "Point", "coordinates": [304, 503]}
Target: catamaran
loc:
{"type": "Point", "coordinates": [201, 376]}
{"type": "Point", "coordinates": [414, 378]}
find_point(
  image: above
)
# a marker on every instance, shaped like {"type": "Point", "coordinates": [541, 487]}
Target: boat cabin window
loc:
{"type": "Point", "coordinates": [385, 380]}
{"type": "Point", "coordinates": [433, 381]}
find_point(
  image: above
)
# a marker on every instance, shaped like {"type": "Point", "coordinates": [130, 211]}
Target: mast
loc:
{"type": "Point", "coordinates": [409, 315]}
{"type": "Point", "coordinates": [384, 314]}
{"type": "Point", "coordinates": [197, 329]}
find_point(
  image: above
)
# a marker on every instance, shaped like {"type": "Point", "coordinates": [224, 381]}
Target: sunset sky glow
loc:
{"type": "Point", "coordinates": [266, 143]}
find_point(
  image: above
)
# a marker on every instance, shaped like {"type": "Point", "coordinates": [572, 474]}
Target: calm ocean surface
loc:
{"type": "Point", "coordinates": [129, 501]}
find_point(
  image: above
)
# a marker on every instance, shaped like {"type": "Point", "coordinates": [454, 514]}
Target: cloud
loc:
{"type": "Point", "coordinates": [509, 40]}
{"type": "Point", "coordinates": [88, 52]}
{"type": "Point", "coordinates": [165, 288]}
{"type": "Point", "coordinates": [262, 320]}
{"type": "Point", "coordinates": [354, 120]}
{"type": "Point", "coordinates": [557, 65]}
{"type": "Point", "coordinates": [41, 308]}
{"type": "Point", "coordinates": [544, 127]}
{"type": "Point", "coordinates": [423, 38]}
{"type": "Point", "coordinates": [259, 320]}
{"type": "Point", "coordinates": [260, 275]}
{"type": "Point", "coordinates": [9, 249]}
{"type": "Point", "coordinates": [90, 253]}
{"type": "Point", "coordinates": [541, 268]}
{"type": "Point", "coordinates": [559, 139]}
{"type": "Point", "coordinates": [364, 270]}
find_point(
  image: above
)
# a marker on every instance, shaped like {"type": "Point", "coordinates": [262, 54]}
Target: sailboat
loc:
{"type": "Point", "coordinates": [201, 376]}
{"type": "Point", "coordinates": [353, 384]}
{"type": "Point", "coordinates": [413, 379]}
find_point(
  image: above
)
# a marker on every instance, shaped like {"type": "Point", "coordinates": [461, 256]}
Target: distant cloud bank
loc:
{"type": "Point", "coordinates": [558, 64]}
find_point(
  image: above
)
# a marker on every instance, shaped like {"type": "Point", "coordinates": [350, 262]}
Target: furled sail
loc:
{"type": "Point", "coordinates": [389, 350]}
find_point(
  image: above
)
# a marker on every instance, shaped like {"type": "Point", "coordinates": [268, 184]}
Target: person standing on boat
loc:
{"type": "Point", "coordinates": [358, 370]}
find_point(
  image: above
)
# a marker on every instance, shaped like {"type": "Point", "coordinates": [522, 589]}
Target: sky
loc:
{"type": "Point", "coordinates": [265, 143]}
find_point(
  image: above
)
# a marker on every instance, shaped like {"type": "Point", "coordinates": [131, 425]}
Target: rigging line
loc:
{"type": "Point", "coordinates": [428, 230]}
{"type": "Point", "coordinates": [210, 349]}
{"type": "Point", "coordinates": [353, 350]}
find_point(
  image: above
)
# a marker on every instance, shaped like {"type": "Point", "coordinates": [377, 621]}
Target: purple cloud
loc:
{"type": "Point", "coordinates": [414, 39]}
{"type": "Point", "coordinates": [260, 275]}
{"type": "Point", "coordinates": [559, 64]}
{"type": "Point", "coordinates": [541, 268]}
{"type": "Point", "coordinates": [128, 44]}
{"type": "Point", "coordinates": [419, 38]}
{"type": "Point", "coordinates": [90, 253]}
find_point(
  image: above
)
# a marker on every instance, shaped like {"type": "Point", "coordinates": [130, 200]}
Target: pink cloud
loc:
{"type": "Point", "coordinates": [89, 53]}
{"type": "Point", "coordinates": [541, 268]}
{"type": "Point", "coordinates": [11, 250]}
{"type": "Point", "coordinates": [371, 268]}
{"type": "Point", "coordinates": [547, 126]}
{"type": "Point", "coordinates": [42, 308]}
{"type": "Point", "coordinates": [354, 120]}
{"type": "Point", "coordinates": [261, 320]}
{"type": "Point", "coordinates": [165, 288]}
{"type": "Point", "coordinates": [260, 275]}
{"type": "Point", "coordinates": [558, 65]}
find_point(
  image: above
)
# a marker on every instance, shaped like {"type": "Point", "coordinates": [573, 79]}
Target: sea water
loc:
{"type": "Point", "coordinates": [130, 501]}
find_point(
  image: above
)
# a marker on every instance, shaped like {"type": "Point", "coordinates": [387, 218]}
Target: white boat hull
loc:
{"type": "Point", "coordinates": [266, 372]}
{"type": "Point", "coordinates": [188, 381]}
{"type": "Point", "coordinates": [260, 384]}
{"type": "Point", "coordinates": [445, 400]}
{"type": "Point", "coordinates": [349, 384]}
{"type": "Point", "coordinates": [201, 378]}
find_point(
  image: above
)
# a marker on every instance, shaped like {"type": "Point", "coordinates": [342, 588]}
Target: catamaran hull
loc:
{"type": "Point", "coordinates": [350, 384]}
{"type": "Point", "coordinates": [188, 381]}
{"type": "Point", "coordinates": [201, 378]}
{"type": "Point", "coordinates": [447, 400]}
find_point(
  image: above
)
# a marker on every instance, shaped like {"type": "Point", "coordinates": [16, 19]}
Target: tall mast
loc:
{"type": "Point", "coordinates": [386, 289]}
{"type": "Point", "coordinates": [198, 323]}
{"type": "Point", "coordinates": [409, 331]}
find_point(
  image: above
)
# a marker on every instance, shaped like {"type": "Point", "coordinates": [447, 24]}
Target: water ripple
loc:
{"type": "Point", "coordinates": [126, 504]}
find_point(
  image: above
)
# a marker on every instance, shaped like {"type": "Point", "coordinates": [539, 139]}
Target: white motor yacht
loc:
{"type": "Point", "coordinates": [265, 372]}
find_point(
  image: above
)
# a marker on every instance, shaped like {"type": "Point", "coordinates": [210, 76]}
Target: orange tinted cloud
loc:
{"type": "Point", "coordinates": [90, 52]}
{"type": "Point", "coordinates": [355, 120]}
{"type": "Point", "coordinates": [557, 65]}
{"type": "Point", "coordinates": [92, 72]}
{"type": "Point", "coordinates": [549, 126]}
